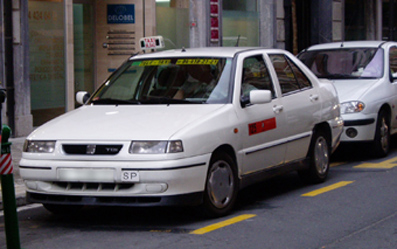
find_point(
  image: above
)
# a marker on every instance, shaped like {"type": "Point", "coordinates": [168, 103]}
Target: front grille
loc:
{"type": "Point", "coordinates": [92, 149]}
{"type": "Point", "coordinates": [92, 187]}
{"type": "Point", "coordinates": [92, 200]}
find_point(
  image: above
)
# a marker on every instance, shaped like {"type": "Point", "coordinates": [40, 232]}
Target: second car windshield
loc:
{"type": "Point", "coordinates": [168, 81]}
{"type": "Point", "coordinates": [345, 63]}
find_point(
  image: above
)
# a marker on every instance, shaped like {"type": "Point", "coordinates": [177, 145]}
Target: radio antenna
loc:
{"type": "Point", "coordinates": [238, 40]}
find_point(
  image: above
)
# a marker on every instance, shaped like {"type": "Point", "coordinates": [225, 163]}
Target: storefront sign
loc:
{"type": "Point", "coordinates": [121, 13]}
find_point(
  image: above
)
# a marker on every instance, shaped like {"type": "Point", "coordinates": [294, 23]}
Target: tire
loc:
{"type": "Point", "coordinates": [62, 209]}
{"type": "Point", "coordinates": [381, 144]}
{"type": "Point", "coordinates": [221, 186]}
{"type": "Point", "coordinates": [319, 159]}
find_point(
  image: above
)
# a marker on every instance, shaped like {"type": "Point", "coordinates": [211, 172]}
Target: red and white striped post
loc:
{"type": "Point", "coordinates": [6, 166]}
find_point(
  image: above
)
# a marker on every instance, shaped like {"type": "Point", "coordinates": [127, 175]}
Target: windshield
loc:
{"type": "Point", "coordinates": [168, 81]}
{"type": "Point", "coordinates": [345, 63]}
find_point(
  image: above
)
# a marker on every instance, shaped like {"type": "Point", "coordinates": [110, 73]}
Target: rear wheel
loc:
{"type": "Point", "coordinates": [221, 186]}
{"type": "Point", "coordinates": [319, 156]}
{"type": "Point", "coordinates": [382, 135]}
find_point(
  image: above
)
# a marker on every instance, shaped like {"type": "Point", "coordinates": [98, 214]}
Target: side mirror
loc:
{"type": "Point", "coordinates": [393, 77]}
{"type": "Point", "coordinates": [260, 97]}
{"type": "Point", "coordinates": [82, 97]}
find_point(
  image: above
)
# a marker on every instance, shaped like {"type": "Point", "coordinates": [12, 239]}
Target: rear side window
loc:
{"type": "Point", "coordinates": [290, 77]}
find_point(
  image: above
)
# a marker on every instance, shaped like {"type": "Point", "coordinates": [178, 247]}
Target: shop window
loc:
{"type": "Point", "coordinates": [240, 23]}
{"type": "Point", "coordinates": [47, 66]}
{"type": "Point", "coordinates": [172, 22]}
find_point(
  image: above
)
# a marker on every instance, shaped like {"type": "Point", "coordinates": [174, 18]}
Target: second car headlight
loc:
{"type": "Point", "coordinates": [352, 107]}
{"type": "Point", "coordinates": [155, 147]}
{"type": "Point", "coordinates": [35, 146]}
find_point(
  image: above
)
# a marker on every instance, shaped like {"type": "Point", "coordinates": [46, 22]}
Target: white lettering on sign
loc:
{"type": "Point", "coordinates": [121, 18]}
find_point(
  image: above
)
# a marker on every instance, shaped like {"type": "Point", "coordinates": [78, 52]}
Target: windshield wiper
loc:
{"type": "Point", "coordinates": [168, 101]}
{"type": "Point", "coordinates": [109, 101]}
{"type": "Point", "coordinates": [339, 76]}
{"type": "Point", "coordinates": [346, 76]}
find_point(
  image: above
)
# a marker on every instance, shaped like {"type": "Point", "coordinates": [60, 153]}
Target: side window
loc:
{"type": "Point", "coordinates": [255, 76]}
{"type": "Point", "coordinates": [289, 75]}
{"type": "Point", "coordinates": [393, 60]}
{"type": "Point", "coordinates": [301, 77]}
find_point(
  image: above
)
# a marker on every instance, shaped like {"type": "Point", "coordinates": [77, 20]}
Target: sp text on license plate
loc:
{"type": "Point", "coordinates": [130, 176]}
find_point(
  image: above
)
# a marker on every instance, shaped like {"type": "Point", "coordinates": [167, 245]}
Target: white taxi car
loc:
{"type": "Point", "coordinates": [185, 127]}
{"type": "Point", "coordinates": [365, 76]}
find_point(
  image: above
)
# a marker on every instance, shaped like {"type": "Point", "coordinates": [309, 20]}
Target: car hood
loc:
{"type": "Point", "coordinates": [352, 89]}
{"type": "Point", "coordinates": [140, 122]}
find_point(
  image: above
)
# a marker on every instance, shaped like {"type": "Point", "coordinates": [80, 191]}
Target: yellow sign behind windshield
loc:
{"type": "Point", "coordinates": [197, 62]}
{"type": "Point", "coordinates": [154, 63]}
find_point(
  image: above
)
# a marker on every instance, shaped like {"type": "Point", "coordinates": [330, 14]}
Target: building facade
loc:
{"type": "Point", "coordinates": [50, 49]}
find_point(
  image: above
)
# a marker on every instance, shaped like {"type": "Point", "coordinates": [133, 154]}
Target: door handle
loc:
{"type": "Point", "coordinates": [278, 108]}
{"type": "Point", "coordinates": [314, 97]}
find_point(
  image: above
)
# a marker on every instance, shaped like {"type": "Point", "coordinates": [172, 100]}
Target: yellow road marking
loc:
{"type": "Point", "coordinates": [388, 164]}
{"type": "Point", "coordinates": [329, 188]}
{"type": "Point", "coordinates": [337, 164]}
{"type": "Point", "coordinates": [222, 224]}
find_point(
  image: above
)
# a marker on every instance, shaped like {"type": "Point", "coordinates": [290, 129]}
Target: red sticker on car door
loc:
{"type": "Point", "coordinates": [262, 126]}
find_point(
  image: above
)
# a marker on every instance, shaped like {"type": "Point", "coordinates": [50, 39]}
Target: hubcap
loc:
{"type": "Point", "coordinates": [321, 155]}
{"type": "Point", "coordinates": [384, 135]}
{"type": "Point", "coordinates": [220, 184]}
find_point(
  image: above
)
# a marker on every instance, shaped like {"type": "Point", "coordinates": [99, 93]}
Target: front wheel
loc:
{"type": "Point", "coordinates": [382, 135]}
{"type": "Point", "coordinates": [319, 156]}
{"type": "Point", "coordinates": [221, 186]}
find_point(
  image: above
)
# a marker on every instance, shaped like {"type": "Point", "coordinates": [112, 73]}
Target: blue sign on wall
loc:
{"type": "Point", "coordinates": [121, 13]}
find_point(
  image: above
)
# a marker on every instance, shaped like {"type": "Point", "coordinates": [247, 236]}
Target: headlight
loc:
{"type": "Point", "coordinates": [352, 107]}
{"type": "Point", "coordinates": [155, 147]}
{"type": "Point", "coordinates": [33, 146]}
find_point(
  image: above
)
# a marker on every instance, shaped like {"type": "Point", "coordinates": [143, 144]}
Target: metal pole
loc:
{"type": "Point", "coordinates": [7, 186]}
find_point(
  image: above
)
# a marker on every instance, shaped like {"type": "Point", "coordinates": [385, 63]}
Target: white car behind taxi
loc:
{"type": "Point", "coordinates": [185, 127]}
{"type": "Point", "coordinates": [365, 76]}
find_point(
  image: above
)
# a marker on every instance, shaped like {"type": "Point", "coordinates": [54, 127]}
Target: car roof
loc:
{"type": "Point", "coordinates": [203, 52]}
{"type": "Point", "coordinates": [348, 44]}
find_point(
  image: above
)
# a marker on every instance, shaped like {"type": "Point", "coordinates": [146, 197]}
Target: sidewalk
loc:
{"type": "Point", "coordinates": [16, 153]}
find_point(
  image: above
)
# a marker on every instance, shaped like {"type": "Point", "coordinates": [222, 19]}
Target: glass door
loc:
{"type": "Point", "coordinates": [83, 30]}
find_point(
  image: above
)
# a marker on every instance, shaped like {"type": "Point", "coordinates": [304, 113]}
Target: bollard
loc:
{"type": "Point", "coordinates": [8, 191]}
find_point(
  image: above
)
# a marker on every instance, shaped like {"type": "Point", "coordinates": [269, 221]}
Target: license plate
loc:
{"type": "Point", "coordinates": [130, 176]}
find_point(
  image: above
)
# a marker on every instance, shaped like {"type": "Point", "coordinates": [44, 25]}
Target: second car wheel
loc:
{"type": "Point", "coordinates": [319, 156]}
{"type": "Point", "coordinates": [382, 135]}
{"type": "Point", "coordinates": [221, 186]}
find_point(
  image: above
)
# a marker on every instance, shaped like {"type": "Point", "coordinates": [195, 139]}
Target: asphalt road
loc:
{"type": "Point", "coordinates": [355, 208]}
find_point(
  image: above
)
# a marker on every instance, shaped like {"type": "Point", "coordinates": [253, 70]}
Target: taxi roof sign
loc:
{"type": "Point", "coordinates": [151, 42]}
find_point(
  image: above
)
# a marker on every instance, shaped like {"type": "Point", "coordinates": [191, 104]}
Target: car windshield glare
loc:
{"type": "Point", "coordinates": [168, 81]}
{"type": "Point", "coordinates": [345, 63]}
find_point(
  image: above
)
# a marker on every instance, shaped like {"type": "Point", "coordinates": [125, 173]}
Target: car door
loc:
{"type": "Point", "coordinates": [301, 103]}
{"type": "Point", "coordinates": [262, 125]}
{"type": "Point", "coordinates": [393, 85]}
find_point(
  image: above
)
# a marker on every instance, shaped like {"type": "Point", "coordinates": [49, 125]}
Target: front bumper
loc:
{"type": "Point", "coordinates": [179, 182]}
{"type": "Point", "coordinates": [365, 125]}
